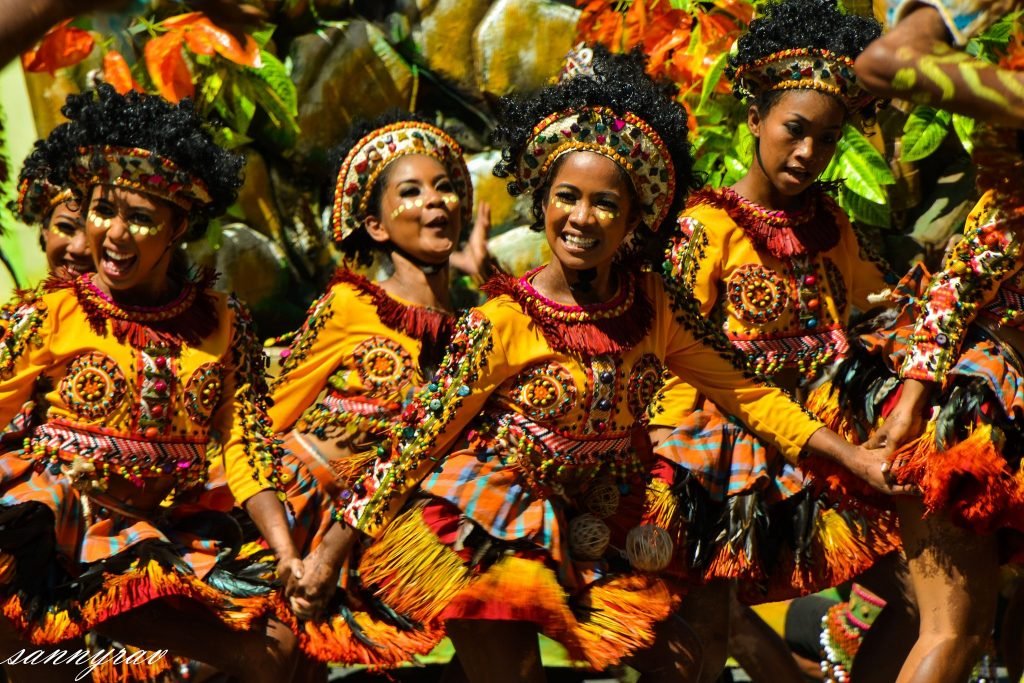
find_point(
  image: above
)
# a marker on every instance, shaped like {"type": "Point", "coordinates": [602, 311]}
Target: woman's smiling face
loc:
{"type": "Point", "coordinates": [590, 209]}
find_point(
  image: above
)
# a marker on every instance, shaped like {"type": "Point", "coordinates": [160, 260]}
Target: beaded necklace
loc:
{"type": "Point", "coordinates": [612, 326]}
{"type": "Point", "coordinates": [187, 319]}
{"type": "Point", "coordinates": [783, 234]}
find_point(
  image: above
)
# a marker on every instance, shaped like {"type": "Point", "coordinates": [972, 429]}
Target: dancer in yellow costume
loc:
{"type": "Point", "coordinates": [136, 369]}
{"type": "Point", "coordinates": [401, 193]}
{"type": "Point", "coordinates": [513, 500]}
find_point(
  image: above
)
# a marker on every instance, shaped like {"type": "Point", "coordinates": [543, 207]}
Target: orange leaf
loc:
{"type": "Point", "coordinates": [167, 67]}
{"type": "Point", "coordinates": [203, 37]}
{"type": "Point", "coordinates": [63, 45]}
{"type": "Point", "coordinates": [116, 72]}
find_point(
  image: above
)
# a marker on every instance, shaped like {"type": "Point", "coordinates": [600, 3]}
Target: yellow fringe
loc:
{"type": "Point", "coordinates": [625, 612]}
{"type": "Point", "coordinates": [413, 572]}
{"type": "Point", "coordinates": [661, 507]}
{"type": "Point", "coordinates": [824, 403]}
{"type": "Point", "coordinates": [7, 568]}
{"type": "Point", "coordinates": [348, 469]}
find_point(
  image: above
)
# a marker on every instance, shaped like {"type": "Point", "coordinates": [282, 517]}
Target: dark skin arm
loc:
{"type": "Point", "coordinates": [268, 514]}
{"type": "Point", "coordinates": [914, 61]}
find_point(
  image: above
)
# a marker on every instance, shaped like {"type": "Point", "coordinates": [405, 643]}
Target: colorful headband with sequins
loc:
{"type": "Point", "coordinates": [140, 170]}
{"type": "Point", "coordinates": [371, 155]}
{"type": "Point", "coordinates": [37, 197]}
{"type": "Point", "coordinates": [625, 138]}
{"type": "Point", "coordinates": [802, 68]}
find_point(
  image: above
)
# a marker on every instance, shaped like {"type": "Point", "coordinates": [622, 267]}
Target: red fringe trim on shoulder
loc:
{"type": "Point", "coordinates": [811, 231]}
{"type": "Point", "coordinates": [418, 322]}
{"type": "Point", "coordinates": [187, 320]}
{"type": "Point", "coordinates": [582, 329]}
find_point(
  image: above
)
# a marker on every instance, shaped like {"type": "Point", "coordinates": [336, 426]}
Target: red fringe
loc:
{"type": "Point", "coordinates": [588, 337]}
{"type": "Point", "coordinates": [418, 322]}
{"type": "Point", "coordinates": [185, 328]}
{"type": "Point", "coordinates": [971, 481]}
{"type": "Point", "coordinates": [815, 231]}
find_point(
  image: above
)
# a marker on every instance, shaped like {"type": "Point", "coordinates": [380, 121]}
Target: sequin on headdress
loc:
{"type": "Point", "coordinates": [802, 68]}
{"type": "Point", "coordinates": [372, 154]}
{"type": "Point", "coordinates": [624, 138]}
{"type": "Point", "coordinates": [37, 197]}
{"type": "Point", "coordinates": [139, 170]}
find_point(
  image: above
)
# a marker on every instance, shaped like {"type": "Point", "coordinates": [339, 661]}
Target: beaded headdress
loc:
{"type": "Point", "coordinates": [802, 68]}
{"type": "Point", "coordinates": [624, 138]}
{"type": "Point", "coordinates": [140, 170]}
{"type": "Point", "coordinates": [372, 154]}
{"type": "Point", "coordinates": [37, 197]}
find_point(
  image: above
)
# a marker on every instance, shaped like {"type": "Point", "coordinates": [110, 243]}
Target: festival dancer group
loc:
{"type": "Point", "coordinates": [619, 449]}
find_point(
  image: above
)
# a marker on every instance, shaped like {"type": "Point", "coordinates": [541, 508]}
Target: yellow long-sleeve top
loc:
{"type": "Point", "coordinates": [139, 393]}
{"type": "Point", "coordinates": [355, 361]}
{"type": "Point", "coordinates": [780, 304]}
{"type": "Point", "coordinates": [556, 391]}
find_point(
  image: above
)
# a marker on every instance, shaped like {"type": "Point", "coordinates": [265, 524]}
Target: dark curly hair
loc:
{"type": "Point", "coordinates": [621, 83]}
{"type": "Point", "coordinates": [793, 24]}
{"type": "Point", "coordinates": [37, 168]}
{"type": "Point", "coordinates": [359, 247]}
{"type": "Point", "coordinates": [173, 131]}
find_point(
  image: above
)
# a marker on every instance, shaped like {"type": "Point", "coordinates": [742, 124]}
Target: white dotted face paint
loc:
{"type": "Point", "coordinates": [451, 200]}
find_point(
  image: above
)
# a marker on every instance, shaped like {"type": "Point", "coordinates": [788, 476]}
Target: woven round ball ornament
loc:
{"type": "Point", "coordinates": [588, 537]}
{"type": "Point", "coordinates": [649, 548]}
{"type": "Point", "coordinates": [603, 500]}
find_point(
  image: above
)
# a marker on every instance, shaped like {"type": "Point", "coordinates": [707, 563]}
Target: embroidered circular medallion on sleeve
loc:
{"type": "Point", "coordinates": [758, 294]}
{"type": "Point", "coordinates": [93, 385]}
{"type": "Point", "coordinates": [645, 379]}
{"type": "Point", "coordinates": [202, 393]}
{"type": "Point", "coordinates": [383, 362]}
{"type": "Point", "coordinates": [545, 391]}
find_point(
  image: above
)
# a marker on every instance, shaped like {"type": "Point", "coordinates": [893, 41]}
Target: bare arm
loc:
{"type": "Point", "coordinates": [914, 61]}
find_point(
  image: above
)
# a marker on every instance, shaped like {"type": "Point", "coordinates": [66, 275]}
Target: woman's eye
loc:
{"type": "Point", "coordinates": [66, 229]}
{"type": "Point", "coordinates": [408, 191]}
{"type": "Point", "coordinates": [794, 129]}
{"type": "Point", "coordinates": [831, 139]}
{"type": "Point", "coordinates": [105, 210]}
{"type": "Point", "coordinates": [445, 186]}
{"type": "Point", "coordinates": [141, 218]}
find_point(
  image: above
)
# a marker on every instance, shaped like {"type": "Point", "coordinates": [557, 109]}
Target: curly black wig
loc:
{"type": "Point", "coordinates": [793, 24]}
{"type": "Point", "coordinates": [620, 83]}
{"type": "Point", "coordinates": [173, 131]}
{"type": "Point", "coordinates": [359, 247]}
{"type": "Point", "coordinates": [34, 171]}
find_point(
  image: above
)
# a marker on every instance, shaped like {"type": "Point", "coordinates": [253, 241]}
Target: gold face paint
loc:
{"type": "Point", "coordinates": [450, 199]}
{"type": "Point", "coordinates": [561, 204]}
{"type": "Point", "coordinates": [134, 228]}
{"type": "Point", "coordinates": [407, 205]}
{"type": "Point", "coordinates": [606, 215]}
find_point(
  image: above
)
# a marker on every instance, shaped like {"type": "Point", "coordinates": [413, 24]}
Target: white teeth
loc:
{"type": "Point", "coordinates": [579, 242]}
{"type": "Point", "coordinates": [114, 256]}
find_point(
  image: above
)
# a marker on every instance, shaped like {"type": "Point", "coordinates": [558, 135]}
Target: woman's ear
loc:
{"type": "Point", "coordinates": [754, 121]}
{"type": "Point", "coordinates": [375, 229]}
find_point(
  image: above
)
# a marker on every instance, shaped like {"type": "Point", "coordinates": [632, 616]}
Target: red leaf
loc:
{"type": "Point", "coordinates": [203, 37]}
{"type": "Point", "coordinates": [64, 45]}
{"type": "Point", "coordinates": [168, 68]}
{"type": "Point", "coordinates": [117, 73]}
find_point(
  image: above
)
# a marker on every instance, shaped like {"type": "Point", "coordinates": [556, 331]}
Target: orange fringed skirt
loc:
{"type": "Point", "coordinates": [967, 463]}
{"type": "Point", "coordinates": [737, 510]}
{"type": "Point", "coordinates": [68, 564]}
{"type": "Point", "coordinates": [369, 633]}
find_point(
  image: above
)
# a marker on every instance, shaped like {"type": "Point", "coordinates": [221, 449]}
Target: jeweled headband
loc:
{"type": "Point", "coordinates": [625, 138]}
{"type": "Point", "coordinates": [372, 154]}
{"type": "Point", "coordinates": [802, 68]}
{"type": "Point", "coordinates": [140, 170]}
{"type": "Point", "coordinates": [37, 197]}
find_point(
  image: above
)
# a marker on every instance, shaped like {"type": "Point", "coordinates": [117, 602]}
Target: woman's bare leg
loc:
{"type": "Point", "coordinates": [955, 574]}
{"type": "Point", "coordinates": [706, 610]}
{"type": "Point", "coordinates": [761, 652]}
{"type": "Point", "coordinates": [675, 656]}
{"type": "Point", "coordinates": [261, 655]}
{"type": "Point", "coordinates": [888, 642]}
{"type": "Point", "coordinates": [497, 651]}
